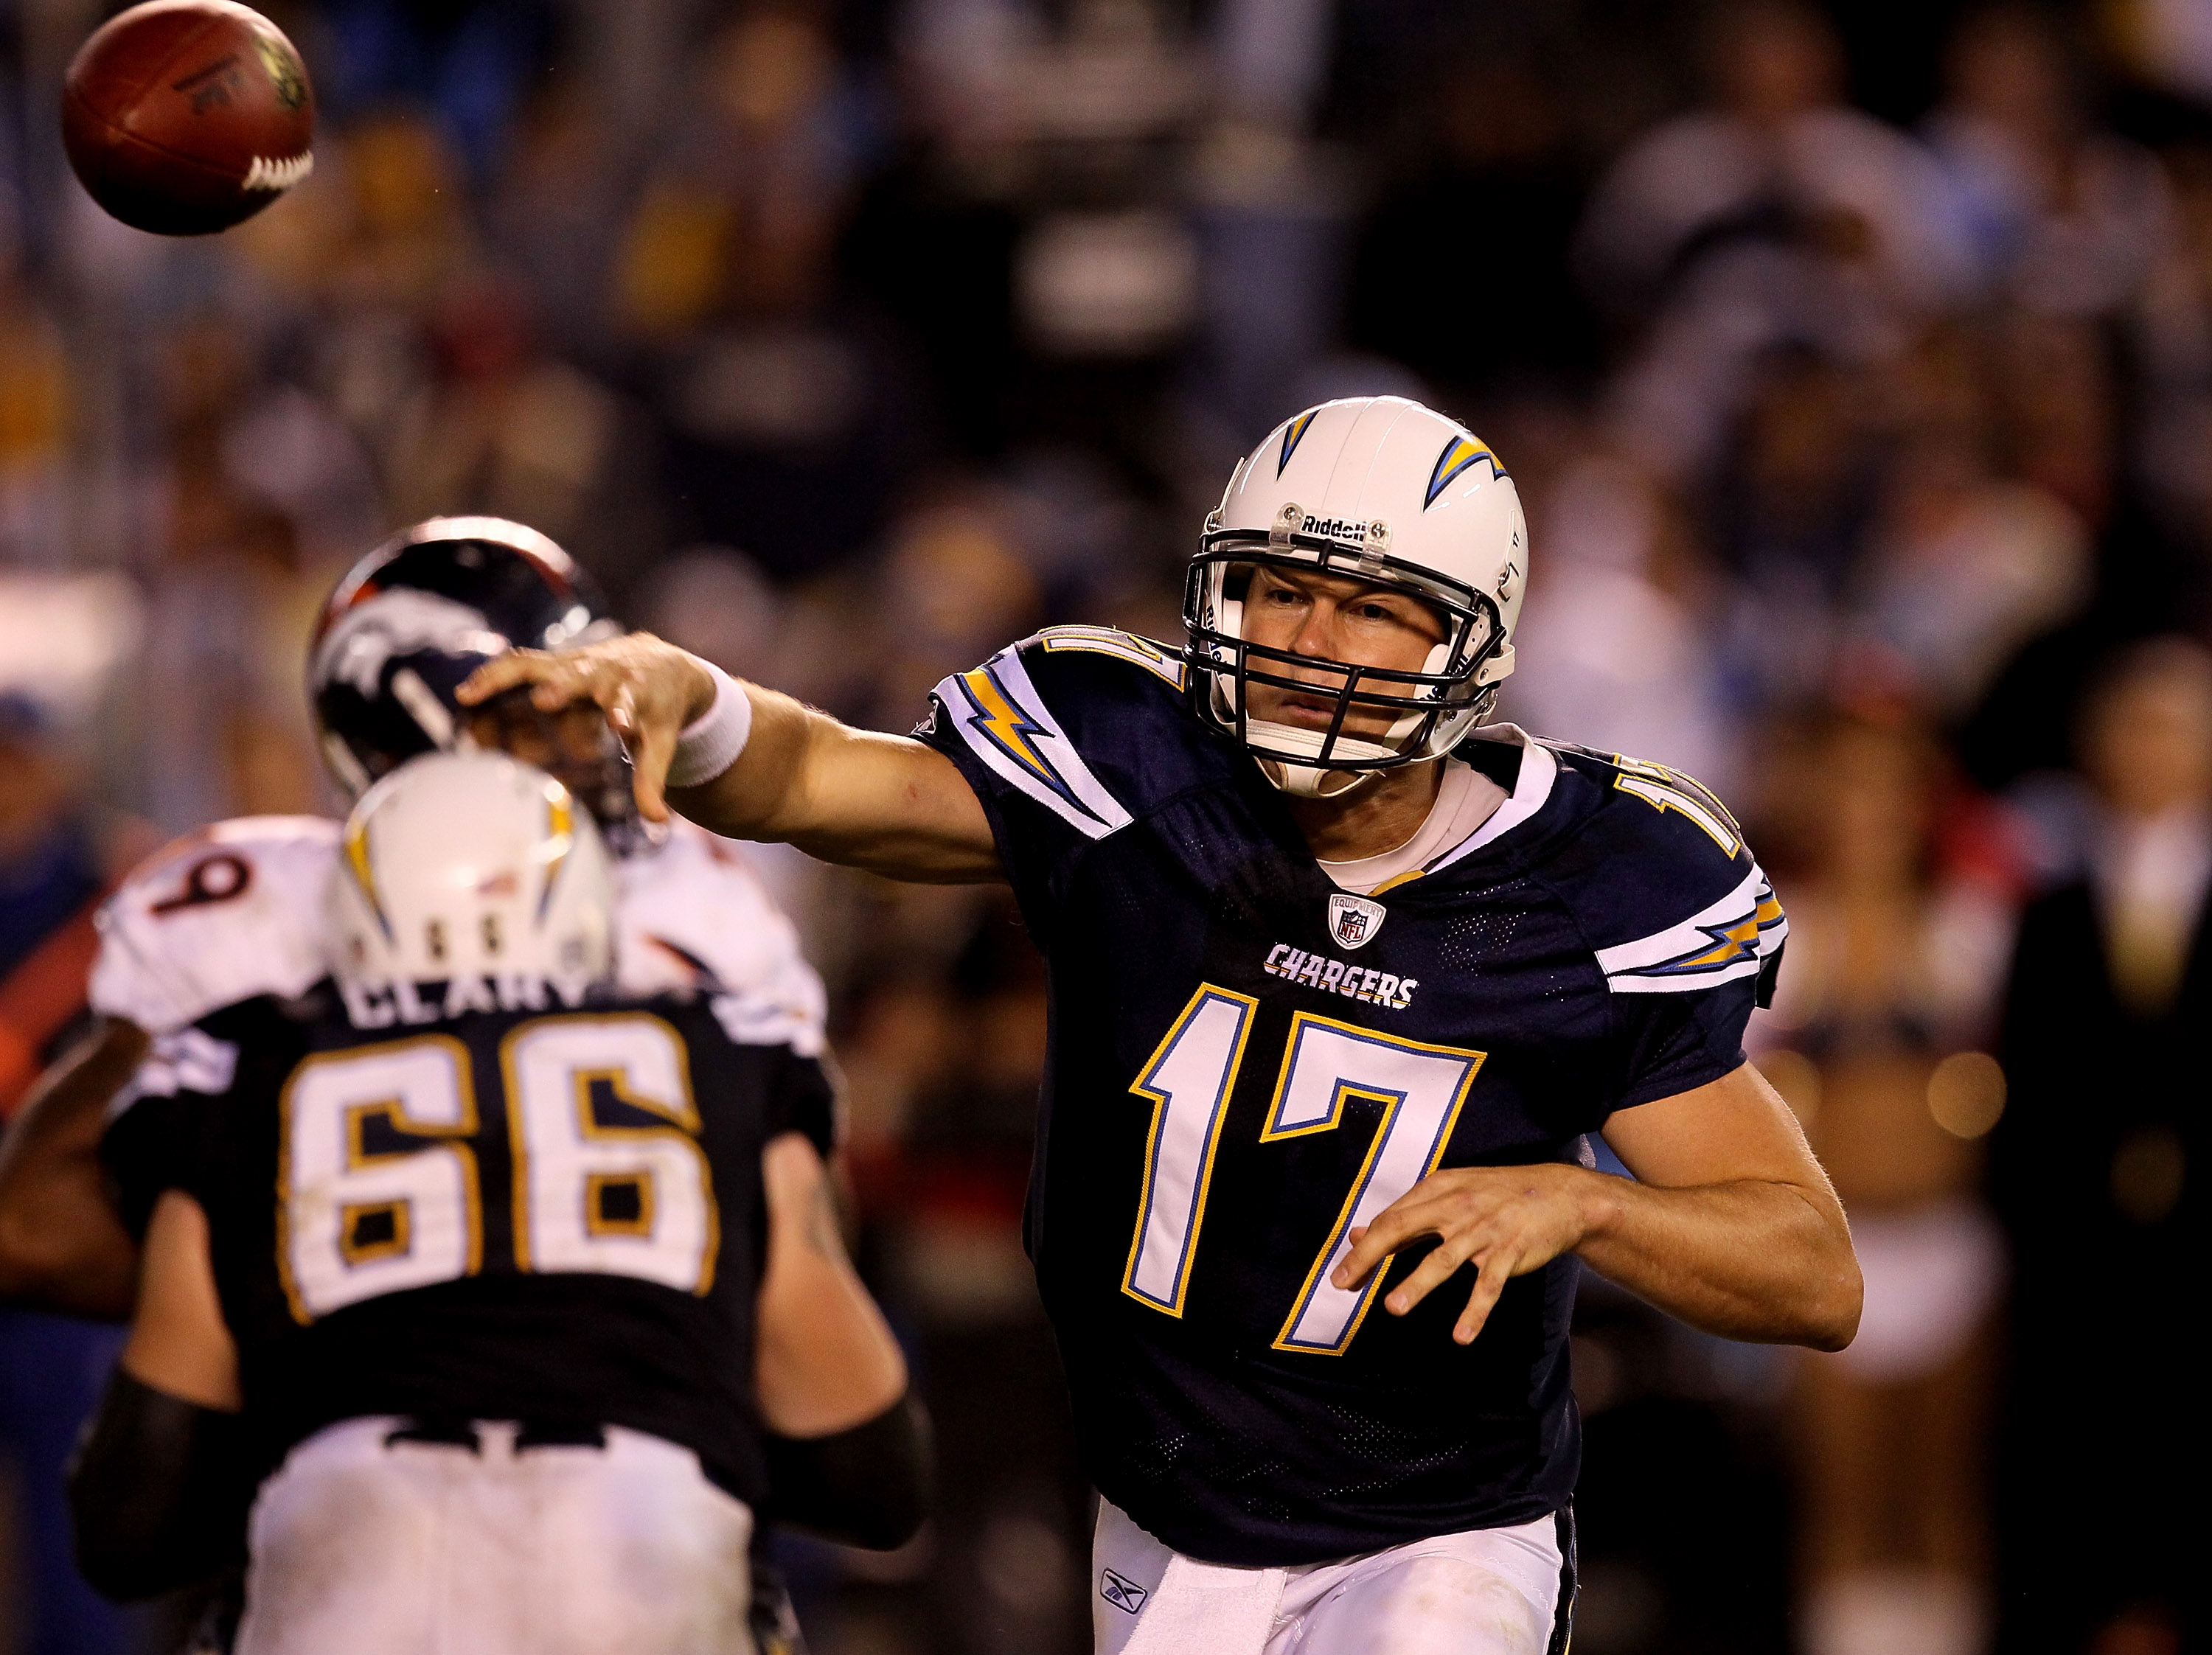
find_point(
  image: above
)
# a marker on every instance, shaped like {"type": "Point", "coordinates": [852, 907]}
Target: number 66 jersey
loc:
{"type": "Point", "coordinates": [1247, 1062]}
{"type": "Point", "coordinates": [551, 1214]}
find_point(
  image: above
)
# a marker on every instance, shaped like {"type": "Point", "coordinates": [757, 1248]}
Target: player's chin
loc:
{"type": "Point", "coordinates": [1275, 706]}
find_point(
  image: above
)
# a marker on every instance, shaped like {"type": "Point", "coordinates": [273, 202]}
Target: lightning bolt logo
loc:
{"type": "Point", "coordinates": [364, 873]}
{"type": "Point", "coordinates": [1459, 453]}
{"type": "Point", "coordinates": [1733, 942]}
{"type": "Point", "coordinates": [1010, 729]}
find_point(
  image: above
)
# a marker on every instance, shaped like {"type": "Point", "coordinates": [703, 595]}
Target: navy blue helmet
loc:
{"type": "Point", "coordinates": [412, 620]}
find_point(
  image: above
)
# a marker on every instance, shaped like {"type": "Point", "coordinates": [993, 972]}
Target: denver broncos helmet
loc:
{"type": "Point", "coordinates": [413, 619]}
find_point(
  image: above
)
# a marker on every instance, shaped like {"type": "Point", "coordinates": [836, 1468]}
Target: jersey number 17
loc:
{"type": "Point", "coordinates": [1189, 1081]}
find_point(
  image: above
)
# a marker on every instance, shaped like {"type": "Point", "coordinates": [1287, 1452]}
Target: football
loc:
{"type": "Point", "coordinates": [186, 117]}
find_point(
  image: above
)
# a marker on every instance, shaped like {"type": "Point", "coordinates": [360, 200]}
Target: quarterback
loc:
{"type": "Point", "coordinates": [1343, 978]}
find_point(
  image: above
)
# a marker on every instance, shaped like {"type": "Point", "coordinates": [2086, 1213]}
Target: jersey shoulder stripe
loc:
{"type": "Point", "coordinates": [222, 915]}
{"type": "Point", "coordinates": [1660, 878]}
{"type": "Point", "coordinates": [1727, 939]}
{"type": "Point", "coordinates": [998, 714]}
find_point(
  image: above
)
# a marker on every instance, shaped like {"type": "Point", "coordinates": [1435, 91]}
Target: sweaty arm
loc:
{"type": "Point", "coordinates": [63, 1246]}
{"type": "Point", "coordinates": [1731, 1225]}
{"type": "Point", "coordinates": [849, 1444]}
{"type": "Point", "coordinates": [160, 1487]}
{"type": "Point", "coordinates": [881, 802]}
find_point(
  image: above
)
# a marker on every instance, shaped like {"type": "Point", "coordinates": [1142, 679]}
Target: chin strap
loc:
{"type": "Point", "coordinates": [1306, 781]}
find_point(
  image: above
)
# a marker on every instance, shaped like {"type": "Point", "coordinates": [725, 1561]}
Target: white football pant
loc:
{"type": "Point", "coordinates": [364, 1547]}
{"type": "Point", "coordinates": [1487, 1591]}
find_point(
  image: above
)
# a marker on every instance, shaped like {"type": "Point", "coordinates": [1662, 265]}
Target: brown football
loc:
{"type": "Point", "coordinates": [185, 117]}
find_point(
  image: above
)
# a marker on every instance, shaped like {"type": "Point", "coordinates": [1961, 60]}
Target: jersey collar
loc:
{"type": "Point", "coordinates": [1532, 791]}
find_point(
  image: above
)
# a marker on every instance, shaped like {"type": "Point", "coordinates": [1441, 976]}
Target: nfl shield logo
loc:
{"type": "Point", "coordinates": [1353, 920]}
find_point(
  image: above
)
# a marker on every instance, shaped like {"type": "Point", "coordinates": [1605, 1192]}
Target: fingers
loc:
{"type": "Point", "coordinates": [502, 672]}
{"type": "Point", "coordinates": [1430, 1274]}
{"type": "Point", "coordinates": [1490, 1274]}
{"type": "Point", "coordinates": [651, 749]}
{"type": "Point", "coordinates": [1394, 1225]}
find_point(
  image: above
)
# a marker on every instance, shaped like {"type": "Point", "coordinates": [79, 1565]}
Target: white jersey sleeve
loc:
{"type": "Point", "coordinates": [691, 914]}
{"type": "Point", "coordinates": [220, 916]}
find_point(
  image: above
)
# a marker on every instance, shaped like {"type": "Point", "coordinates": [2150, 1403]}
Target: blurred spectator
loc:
{"type": "Point", "coordinates": [2176, 350]}
{"type": "Point", "coordinates": [1622, 626]}
{"type": "Point", "coordinates": [468, 60]}
{"type": "Point", "coordinates": [2059, 410]}
{"type": "Point", "coordinates": [507, 430]}
{"type": "Point", "coordinates": [1962, 567]}
{"type": "Point", "coordinates": [952, 589]}
{"type": "Point", "coordinates": [1894, 967]}
{"type": "Point", "coordinates": [1789, 511]}
{"type": "Point", "coordinates": [2099, 1174]}
{"type": "Point", "coordinates": [1461, 268]}
{"type": "Point", "coordinates": [34, 415]}
{"type": "Point", "coordinates": [1776, 217]}
{"type": "Point", "coordinates": [2060, 217]}
{"type": "Point", "coordinates": [717, 604]}
{"type": "Point", "coordinates": [1776, 157]}
{"type": "Point", "coordinates": [790, 422]}
{"type": "Point", "coordinates": [57, 860]}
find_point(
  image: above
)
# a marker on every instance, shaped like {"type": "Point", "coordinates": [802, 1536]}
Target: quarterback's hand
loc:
{"type": "Point", "coordinates": [648, 688]}
{"type": "Point", "coordinates": [1509, 1220]}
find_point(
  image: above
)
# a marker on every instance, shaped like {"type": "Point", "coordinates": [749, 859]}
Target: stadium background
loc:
{"type": "Point", "coordinates": [1856, 373]}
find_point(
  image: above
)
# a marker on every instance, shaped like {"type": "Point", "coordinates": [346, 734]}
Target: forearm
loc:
{"type": "Point", "coordinates": [1748, 1259]}
{"type": "Point", "coordinates": [158, 1491]}
{"type": "Point", "coordinates": [826, 1358]}
{"type": "Point", "coordinates": [882, 803]}
{"type": "Point", "coordinates": [62, 1247]}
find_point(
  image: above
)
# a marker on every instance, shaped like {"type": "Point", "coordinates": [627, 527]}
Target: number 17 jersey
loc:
{"type": "Point", "coordinates": [1247, 1063]}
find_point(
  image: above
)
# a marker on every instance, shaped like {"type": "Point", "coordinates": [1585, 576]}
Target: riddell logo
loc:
{"type": "Point", "coordinates": [1335, 528]}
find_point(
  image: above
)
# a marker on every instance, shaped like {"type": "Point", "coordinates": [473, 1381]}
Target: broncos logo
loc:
{"type": "Point", "coordinates": [363, 640]}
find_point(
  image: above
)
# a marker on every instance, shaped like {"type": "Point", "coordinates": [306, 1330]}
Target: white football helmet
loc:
{"type": "Point", "coordinates": [470, 866]}
{"type": "Point", "coordinates": [1385, 491]}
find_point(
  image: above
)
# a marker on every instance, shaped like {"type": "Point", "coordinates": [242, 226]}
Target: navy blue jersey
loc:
{"type": "Point", "coordinates": [1247, 1062]}
{"type": "Point", "coordinates": [553, 1216]}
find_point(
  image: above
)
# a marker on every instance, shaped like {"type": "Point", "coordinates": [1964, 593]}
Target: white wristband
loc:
{"type": "Point", "coordinates": [710, 743]}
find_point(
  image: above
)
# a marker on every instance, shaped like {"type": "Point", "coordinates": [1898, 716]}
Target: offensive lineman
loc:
{"type": "Point", "coordinates": [234, 910]}
{"type": "Point", "coordinates": [1340, 982]}
{"type": "Point", "coordinates": [506, 1272]}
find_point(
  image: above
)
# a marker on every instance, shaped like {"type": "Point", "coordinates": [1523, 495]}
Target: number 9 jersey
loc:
{"type": "Point", "coordinates": [1249, 1062]}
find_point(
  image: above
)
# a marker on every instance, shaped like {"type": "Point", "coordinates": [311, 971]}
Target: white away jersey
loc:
{"type": "Point", "coordinates": [235, 910]}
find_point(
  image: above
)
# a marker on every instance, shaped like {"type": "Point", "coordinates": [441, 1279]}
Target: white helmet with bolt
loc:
{"type": "Point", "coordinates": [470, 866]}
{"type": "Point", "coordinates": [1381, 490]}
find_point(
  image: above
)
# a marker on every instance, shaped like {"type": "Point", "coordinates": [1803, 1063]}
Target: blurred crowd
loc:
{"type": "Point", "coordinates": [1856, 370]}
